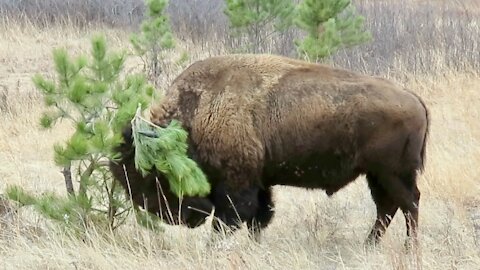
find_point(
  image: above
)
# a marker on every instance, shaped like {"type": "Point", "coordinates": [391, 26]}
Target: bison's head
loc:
{"type": "Point", "coordinates": [153, 193]}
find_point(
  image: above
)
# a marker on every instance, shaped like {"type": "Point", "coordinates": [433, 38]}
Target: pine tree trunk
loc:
{"type": "Point", "coordinates": [84, 179]}
{"type": "Point", "coordinates": [67, 174]}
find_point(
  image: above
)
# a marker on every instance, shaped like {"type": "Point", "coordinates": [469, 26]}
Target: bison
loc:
{"type": "Point", "coordinates": [256, 121]}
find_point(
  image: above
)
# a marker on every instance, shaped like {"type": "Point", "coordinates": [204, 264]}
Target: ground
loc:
{"type": "Point", "coordinates": [309, 230]}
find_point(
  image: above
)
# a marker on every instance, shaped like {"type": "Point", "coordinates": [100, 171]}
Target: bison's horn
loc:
{"type": "Point", "coordinates": [150, 134]}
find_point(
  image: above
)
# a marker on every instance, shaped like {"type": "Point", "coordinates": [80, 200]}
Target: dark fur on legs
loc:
{"type": "Point", "coordinates": [389, 193]}
{"type": "Point", "coordinates": [386, 209]}
{"type": "Point", "coordinates": [263, 216]}
{"type": "Point", "coordinates": [229, 219]}
{"type": "Point", "coordinates": [234, 207]}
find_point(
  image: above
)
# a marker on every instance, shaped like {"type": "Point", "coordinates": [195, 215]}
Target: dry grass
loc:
{"type": "Point", "coordinates": [412, 36]}
{"type": "Point", "coordinates": [309, 231]}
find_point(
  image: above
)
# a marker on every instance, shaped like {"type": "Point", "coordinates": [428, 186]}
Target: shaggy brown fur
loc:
{"type": "Point", "coordinates": [255, 121]}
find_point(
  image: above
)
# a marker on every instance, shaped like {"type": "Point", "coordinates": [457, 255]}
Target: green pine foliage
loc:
{"type": "Point", "coordinates": [99, 102]}
{"type": "Point", "coordinates": [259, 19]}
{"type": "Point", "coordinates": [70, 211]}
{"type": "Point", "coordinates": [154, 38]}
{"type": "Point", "coordinates": [19, 195]}
{"type": "Point", "coordinates": [89, 93]}
{"type": "Point", "coordinates": [165, 149]}
{"type": "Point", "coordinates": [330, 25]}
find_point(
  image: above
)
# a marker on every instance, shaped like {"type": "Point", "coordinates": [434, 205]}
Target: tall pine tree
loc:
{"type": "Point", "coordinates": [154, 39]}
{"type": "Point", "coordinates": [259, 19]}
{"type": "Point", "coordinates": [329, 25]}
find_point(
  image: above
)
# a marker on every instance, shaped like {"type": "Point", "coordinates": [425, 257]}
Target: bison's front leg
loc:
{"type": "Point", "coordinates": [234, 206]}
{"type": "Point", "coordinates": [231, 151]}
{"type": "Point", "coordinates": [264, 214]}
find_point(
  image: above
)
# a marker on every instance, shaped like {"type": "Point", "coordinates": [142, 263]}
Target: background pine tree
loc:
{"type": "Point", "coordinates": [258, 19]}
{"type": "Point", "coordinates": [330, 25]}
{"type": "Point", "coordinates": [154, 39]}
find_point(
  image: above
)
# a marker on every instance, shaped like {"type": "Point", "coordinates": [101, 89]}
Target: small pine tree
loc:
{"type": "Point", "coordinates": [154, 38]}
{"type": "Point", "coordinates": [330, 25]}
{"type": "Point", "coordinates": [92, 96]}
{"type": "Point", "coordinates": [259, 19]}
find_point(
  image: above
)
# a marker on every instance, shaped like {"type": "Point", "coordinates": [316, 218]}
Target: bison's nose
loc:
{"type": "Point", "coordinates": [192, 219]}
{"type": "Point", "coordinates": [195, 211]}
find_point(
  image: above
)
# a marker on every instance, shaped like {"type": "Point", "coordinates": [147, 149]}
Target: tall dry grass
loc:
{"type": "Point", "coordinates": [310, 230]}
{"type": "Point", "coordinates": [83, 14]}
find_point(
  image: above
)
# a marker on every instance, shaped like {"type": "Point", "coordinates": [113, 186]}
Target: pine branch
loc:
{"type": "Point", "coordinates": [164, 150]}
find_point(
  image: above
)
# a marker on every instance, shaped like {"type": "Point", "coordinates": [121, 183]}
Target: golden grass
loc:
{"type": "Point", "coordinates": [309, 231]}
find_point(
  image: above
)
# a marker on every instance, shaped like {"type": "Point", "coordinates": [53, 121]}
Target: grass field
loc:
{"type": "Point", "coordinates": [309, 231]}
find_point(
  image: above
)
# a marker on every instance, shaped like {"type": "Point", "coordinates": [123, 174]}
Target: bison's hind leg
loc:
{"type": "Point", "coordinates": [410, 209]}
{"type": "Point", "coordinates": [386, 208]}
{"type": "Point", "coordinates": [391, 191]}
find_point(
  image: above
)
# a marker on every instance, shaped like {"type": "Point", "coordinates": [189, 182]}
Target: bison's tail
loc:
{"type": "Point", "coordinates": [427, 130]}
{"type": "Point", "coordinates": [425, 136]}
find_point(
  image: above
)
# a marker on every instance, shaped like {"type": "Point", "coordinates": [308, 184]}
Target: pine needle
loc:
{"type": "Point", "coordinates": [165, 150]}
